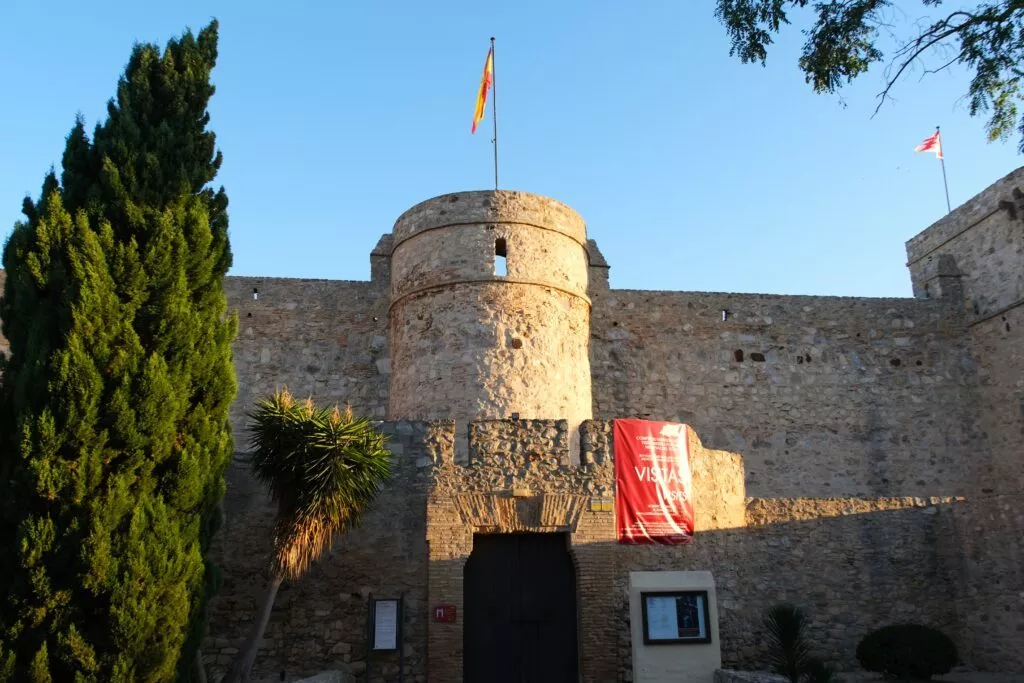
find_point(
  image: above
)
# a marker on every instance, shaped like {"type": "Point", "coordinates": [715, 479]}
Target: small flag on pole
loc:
{"type": "Point", "coordinates": [933, 143]}
{"type": "Point", "coordinates": [485, 85]}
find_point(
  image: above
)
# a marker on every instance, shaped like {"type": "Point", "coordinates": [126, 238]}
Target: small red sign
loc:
{"type": "Point", "coordinates": [445, 613]}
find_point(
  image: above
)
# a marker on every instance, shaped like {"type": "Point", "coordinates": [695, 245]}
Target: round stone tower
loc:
{"type": "Point", "coordinates": [489, 312]}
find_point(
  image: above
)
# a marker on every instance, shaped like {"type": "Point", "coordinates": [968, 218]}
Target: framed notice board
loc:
{"type": "Point", "coordinates": [676, 617]}
{"type": "Point", "coordinates": [385, 624]}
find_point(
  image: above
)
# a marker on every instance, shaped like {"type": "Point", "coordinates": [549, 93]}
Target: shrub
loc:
{"type": "Point", "coordinates": [817, 671]}
{"type": "Point", "coordinates": [788, 651]}
{"type": "Point", "coordinates": [908, 651]}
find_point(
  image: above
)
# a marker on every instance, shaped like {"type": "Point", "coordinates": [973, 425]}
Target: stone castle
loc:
{"type": "Point", "coordinates": [862, 458]}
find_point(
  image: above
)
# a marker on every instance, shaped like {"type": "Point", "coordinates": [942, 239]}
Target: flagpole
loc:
{"type": "Point", "coordinates": [494, 112]}
{"type": "Point", "coordinates": [945, 184]}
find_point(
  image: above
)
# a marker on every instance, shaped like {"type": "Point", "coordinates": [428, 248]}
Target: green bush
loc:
{"type": "Point", "coordinates": [908, 651]}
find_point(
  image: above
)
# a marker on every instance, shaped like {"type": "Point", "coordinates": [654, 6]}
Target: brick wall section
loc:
{"type": "Point", "coordinates": [320, 620]}
{"type": "Point", "coordinates": [823, 396]}
{"type": "Point", "coordinates": [320, 338]}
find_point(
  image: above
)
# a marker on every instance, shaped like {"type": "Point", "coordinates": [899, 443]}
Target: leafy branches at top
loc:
{"type": "Point", "coordinates": [843, 42]}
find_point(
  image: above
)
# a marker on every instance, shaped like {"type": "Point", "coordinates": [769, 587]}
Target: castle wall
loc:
{"type": "Point", "coordinates": [985, 237]}
{"type": "Point", "coordinates": [881, 440]}
{"type": "Point", "coordinates": [320, 620]}
{"type": "Point", "coordinates": [853, 564]}
{"type": "Point", "coordinates": [977, 254]}
{"type": "Point", "coordinates": [823, 396]}
{"type": "Point", "coordinates": [320, 338]}
{"type": "Point", "coordinates": [991, 561]}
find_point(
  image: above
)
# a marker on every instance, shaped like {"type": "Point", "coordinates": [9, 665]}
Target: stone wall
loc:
{"type": "Point", "coordinates": [853, 563]}
{"type": "Point", "coordinates": [977, 254]}
{"type": "Point", "coordinates": [320, 621]}
{"type": "Point", "coordinates": [997, 343]}
{"type": "Point", "coordinates": [320, 338]}
{"type": "Point", "coordinates": [986, 562]}
{"type": "Point", "coordinates": [985, 237]}
{"type": "Point", "coordinates": [519, 479]}
{"type": "Point", "coordinates": [823, 396]}
{"type": "Point", "coordinates": [471, 342]}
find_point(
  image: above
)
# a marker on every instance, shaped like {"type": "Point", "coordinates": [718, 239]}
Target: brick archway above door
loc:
{"type": "Point", "coordinates": [502, 513]}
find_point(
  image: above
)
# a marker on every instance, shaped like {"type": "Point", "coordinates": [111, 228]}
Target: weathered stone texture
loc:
{"type": "Point", "coordinates": [821, 395]}
{"type": "Point", "coordinates": [985, 238]}
{"type": "Point", "coordinates": [321, 619]}
{"type": "Point", "coordinates": [986, 562]}
{"type": "Point", "coordinates": [518, 479]}
{"type": "Point", "coordinates": [499, 206]}
{"type": "Point", "coordinates": [487, 351]}
{"type": "Point", "coordinates": [470, 343]}
{"type": "Point", "coordinates": [850, 571]}
{"type": "Point", "coordinates": [320, 338]}
{"type": "Point", "coordinates": [997, 343]}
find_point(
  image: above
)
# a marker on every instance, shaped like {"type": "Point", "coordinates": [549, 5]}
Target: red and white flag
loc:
{"type": "Point", "coordinates": [933, 143]}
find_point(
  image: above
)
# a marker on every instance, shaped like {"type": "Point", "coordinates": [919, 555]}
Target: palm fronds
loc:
{"type": "Point", "coordinates": [788, 651]}
{"type": "Point", "coordinates": [322, 467]}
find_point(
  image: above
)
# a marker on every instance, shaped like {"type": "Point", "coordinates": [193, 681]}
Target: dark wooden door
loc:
{"type": "Point", "coordinates": [520, 610]}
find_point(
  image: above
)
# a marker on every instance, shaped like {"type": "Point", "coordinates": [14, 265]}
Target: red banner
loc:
{"type": "Point", "coordinates": [653, 485]}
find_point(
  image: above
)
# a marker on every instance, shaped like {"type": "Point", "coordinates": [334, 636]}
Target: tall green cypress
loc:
{"type": "Point", "coordinates": [114, 400]}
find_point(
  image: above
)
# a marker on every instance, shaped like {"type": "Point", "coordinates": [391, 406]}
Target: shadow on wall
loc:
{"type": "Point", "coordinates": [852, 570]}
{"type": "Point", "coordinates": [852, 574]}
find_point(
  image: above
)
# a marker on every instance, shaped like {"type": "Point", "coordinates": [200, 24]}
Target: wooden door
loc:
{"type": "Point", "coordinates": [520, 610]}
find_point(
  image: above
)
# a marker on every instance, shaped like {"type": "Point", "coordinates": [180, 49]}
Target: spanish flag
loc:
{"type": "Point", "coordinates": [485, 85]}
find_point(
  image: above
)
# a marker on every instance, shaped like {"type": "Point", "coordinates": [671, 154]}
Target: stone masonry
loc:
{"type": "Point", "coordinates": [863, 458]}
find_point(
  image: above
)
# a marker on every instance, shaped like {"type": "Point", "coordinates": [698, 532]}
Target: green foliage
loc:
{"type": "Point", "coordinates": [323, 468]}
{"type": "Point", "coordinates": [844, 41]}
{"type": "Point", "coordinates": [908, 651]}
{"type": "Point", "coordinates": [788, 651]}
{"type": "Point", "coordinates": [114, 399]}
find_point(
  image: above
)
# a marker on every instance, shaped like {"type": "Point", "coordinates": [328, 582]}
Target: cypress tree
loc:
{"type": "Point", "coordinates": [114, 400]}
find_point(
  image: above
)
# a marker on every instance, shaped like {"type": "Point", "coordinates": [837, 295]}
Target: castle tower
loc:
{"type": "Point", "coordinates": [489, 313]}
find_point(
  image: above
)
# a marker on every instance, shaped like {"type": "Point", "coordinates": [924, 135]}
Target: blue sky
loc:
{"type": "Point", "coordinates": [693, 171]}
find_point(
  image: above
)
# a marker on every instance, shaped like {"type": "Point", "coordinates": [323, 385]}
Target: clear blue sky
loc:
{"type": "Point", "coordinates": [693, 171]}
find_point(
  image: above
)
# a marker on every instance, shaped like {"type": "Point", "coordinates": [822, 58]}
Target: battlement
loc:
{"type": "Point", "coordinates": [531, 459]}
{"type": "Point", "coordinates": [976, 253]}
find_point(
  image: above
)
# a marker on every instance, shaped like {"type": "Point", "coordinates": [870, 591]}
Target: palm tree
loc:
{"type": "Point", "coordinates": [788, 650]}
{"type": "Point", "coordinates": [323, 468]}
